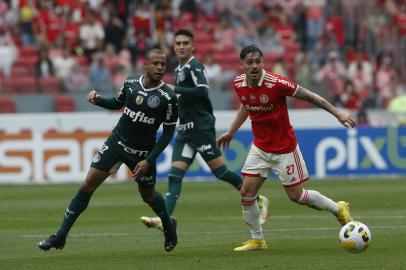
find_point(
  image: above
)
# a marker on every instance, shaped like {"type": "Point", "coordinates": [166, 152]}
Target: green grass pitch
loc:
{"type": "Point", "coordinates": [108, 235]}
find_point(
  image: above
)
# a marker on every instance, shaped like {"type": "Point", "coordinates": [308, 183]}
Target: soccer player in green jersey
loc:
{"type": "Point", "coordinates": [196, 129]}
{"type": "Point", "coordinates": [148, 102]}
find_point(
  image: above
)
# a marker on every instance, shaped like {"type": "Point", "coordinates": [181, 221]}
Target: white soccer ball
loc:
{"type": "Point", "coordinates": [355, 237]}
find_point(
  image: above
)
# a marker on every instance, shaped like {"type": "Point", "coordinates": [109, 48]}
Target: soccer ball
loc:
{"type": "Point", "coordinates": [354, 237]}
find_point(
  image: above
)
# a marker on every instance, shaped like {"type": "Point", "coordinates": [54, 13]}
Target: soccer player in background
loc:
{"type": "Point", "coordinates": [196, 129]}
{"type": "Point", "coordinates": [263, 99]}
{"type": "Point", "coordinates": [148, 102]}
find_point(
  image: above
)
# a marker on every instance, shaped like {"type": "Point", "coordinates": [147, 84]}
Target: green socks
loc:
{"type": "Point", "coordinates": [75, 208]}
{"type": "Point", "coordinates": [174, 188]}
{"type": "Point", "coordinates": [228, 176]}
{"type": "Point", "coordinates": [159, 207]}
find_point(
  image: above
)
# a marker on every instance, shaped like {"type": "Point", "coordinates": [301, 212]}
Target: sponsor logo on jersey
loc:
{"type": "Point", "coordinates": [131, 81]}
{"type": "Point", "coordinates": [186, 126]}
{"type": "Point", "coordinates": [139, 116]}
{"type": "Point", "coordinates": [264, 98]}
{"type": "Point", "coordinates": [269, 85]}
{"type": "Point", "coordinates": [285, 82]}
{"type": "Point", "coordinates": [169, 112]}
{"type": "Point", "coordinates": [258, 108]}
{"type": "Point", "coordinates": [243, 98]}
{"type": "Point", "coordinates": [153, 102]}
{"type": "Point", "coordinates": [139, 100]}
{"type": "Point", "coordinates": [252, 97]}
{"type": "Point", "coordinates": [163, 93]}
{"type": "Point", "coordinates": [131, 90]}
{"type": "Point", "coordinates": [204, 147]}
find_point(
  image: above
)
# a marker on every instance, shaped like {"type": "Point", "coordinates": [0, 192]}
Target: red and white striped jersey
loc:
{"type": "Point", "coordinates": [268, 111]}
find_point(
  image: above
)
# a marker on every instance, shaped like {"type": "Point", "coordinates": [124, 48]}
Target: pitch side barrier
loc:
{"type": "Point", "coordinates": [58, 148]}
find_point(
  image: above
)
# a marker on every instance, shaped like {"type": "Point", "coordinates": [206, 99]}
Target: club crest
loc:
{"type": "Point", "coordinates": [153, 102]}
{"type": "Point", "coordinates": [139, 100]}
{"type": "Point", "coordinates": [264, 98]}
{"type": "Point", "coordinates": [181, 76]}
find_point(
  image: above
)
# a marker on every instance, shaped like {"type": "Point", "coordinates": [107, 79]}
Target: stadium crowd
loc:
{"type": "Point", "coordinates": [351, 51]}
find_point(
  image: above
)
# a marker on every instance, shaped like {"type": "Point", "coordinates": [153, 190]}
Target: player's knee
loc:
{"type": "Point", "coordinates": [176, 175]}
{"type": "Point", "coordinates": [220, 172]}
{"type": "Point", "coordinates": [147, 197]}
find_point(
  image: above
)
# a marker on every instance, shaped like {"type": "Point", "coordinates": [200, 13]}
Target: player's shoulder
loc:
{"type": "Point", "coordinates": [239, 80]}
{"type": "Point", "coordinates": [195, 64]}
{"type": "Point", "coordinates": [167, 92]}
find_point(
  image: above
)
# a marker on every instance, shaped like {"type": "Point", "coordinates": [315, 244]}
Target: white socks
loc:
{"type": "Point", "coordinates": [250, 212]}
{"type": "Point", "coordinates": [317, 201]}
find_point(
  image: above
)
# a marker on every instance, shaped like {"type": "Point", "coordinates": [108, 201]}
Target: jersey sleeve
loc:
{"type": "Point", "coordinates": [198, 74]}
{"type": "Point", "coordinates": [285, 87]}
{"type": "Point", "coordinates": [171, 116]}
{"type": "Point", "coordinates": [121, 94]}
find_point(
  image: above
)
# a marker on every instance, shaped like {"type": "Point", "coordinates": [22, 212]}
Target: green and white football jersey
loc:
{"type": "Point", "coordinates": [145, 109]}
{"type": "Point", "coordinates": [195, 108]}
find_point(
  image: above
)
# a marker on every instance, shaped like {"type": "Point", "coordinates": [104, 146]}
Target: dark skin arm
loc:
{"type": "Point", "coordinates": [343, 117]}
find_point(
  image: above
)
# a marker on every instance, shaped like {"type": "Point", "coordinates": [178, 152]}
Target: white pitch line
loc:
{"type": "Point", "coordinates": [83, 235]}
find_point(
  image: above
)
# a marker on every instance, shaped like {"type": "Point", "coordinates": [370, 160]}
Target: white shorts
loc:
{"type": "Point", "coordinates": [290, 167]}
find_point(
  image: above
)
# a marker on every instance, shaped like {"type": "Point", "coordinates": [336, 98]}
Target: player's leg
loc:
{"type": "Point", "coordinates": [182, 156]}
{"type": "Point", "coordinates": [76, 206]}
{"type": "Point", "coordinates": [104, 163]}
{"type": "Point", "coordinates": [146, 187]}
{"type": "Point", "coordinates": [250, 210]}
{"type": "Point", "coordinates": [255, 172]}
{"type": "Point", "coordinates": [292, 171]}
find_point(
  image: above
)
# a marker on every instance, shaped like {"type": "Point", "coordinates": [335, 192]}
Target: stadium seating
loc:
{"type": "Point", "coordinates": [49, 84]}
{"type": "Point", "coordinates": [7, 104]}
{"type": "Point", "coordinates": [64, 103]}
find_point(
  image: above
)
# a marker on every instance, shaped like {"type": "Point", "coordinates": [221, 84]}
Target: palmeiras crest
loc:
{"type": "Point", "coordinates": [139, 100]}
{"type": "Point", "coordinates": [153, 102]}
{"type": "Point", "coordinates": [181, 76]}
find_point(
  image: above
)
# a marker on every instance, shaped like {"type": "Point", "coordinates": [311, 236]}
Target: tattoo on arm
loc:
{"type": "Point", "coordinates": [315, 99]}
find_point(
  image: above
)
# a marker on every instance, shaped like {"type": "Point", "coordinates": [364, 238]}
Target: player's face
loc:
{"type": "Point", "coordinates": [155, 66]}
{"type": "Point", "coordinates": [252, 65]}
{"type": "Point", "coordinates": [183, 47]}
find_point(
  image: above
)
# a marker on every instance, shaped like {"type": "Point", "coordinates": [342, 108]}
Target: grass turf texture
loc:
{"type": "Point", "coordinates": [109, 235]}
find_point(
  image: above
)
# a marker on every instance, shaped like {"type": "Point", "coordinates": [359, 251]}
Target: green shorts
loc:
{"type": "Point", "coordinates": [186, 146]}
{"type": "Point", "coordinates": [113, 153]}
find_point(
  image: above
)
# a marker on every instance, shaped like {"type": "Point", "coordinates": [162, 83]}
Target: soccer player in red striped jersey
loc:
{"type": "Point", "coordinates": [275, 148]}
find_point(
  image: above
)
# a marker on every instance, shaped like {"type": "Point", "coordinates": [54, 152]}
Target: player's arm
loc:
{"type": "Point", "coordinates": [171, 117]}
{"type": "Point", "coordinates": [225, 139]}
{"type": "Point", "coordinates": [201, 88]}
{"type": "Point", "coordinates": [344, 118]}
{"type": "Point", "coordinates": [113, 103]}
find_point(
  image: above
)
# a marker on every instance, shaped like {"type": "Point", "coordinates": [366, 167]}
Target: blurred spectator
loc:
{"type": "Point", "coordinates": [141, 46]}
{"type": "Point", "coordinates": [64, 63]}
{"type": "Point", "coordinates": [99, 75]}
{"type": "Point", "coordinates": [91, 35]}
{"type": "Point", "coordinates": [44, 66]}
{"type": "Point", "coordinates": [349, 98]}
{"type": "Point", "coordinates": [360, 71]}
{"type": "Point", "coordinates": [76, 80]}
{"type": "Point", "coordinates": [384, 75]}
{"type": "Point", "coordinates": [315, 21]}
{"type": "Point", "coordinates": [124, 56]}
{"type": "Point", "coordinates": [8, 51]}
{"type": "Point", "coordinates": [279, 67]}
{"type": "Point", "coordinates": [303, 71]}
{"type": "Point", "coordinates": [110, 57]}
{"type": "Point", "coordinates": [120, 74]}
{"type": "Point", "coordinates": [27, 16]}
{"type": "Point", "coordinates": [333, 74]}
{"type": "Point", "coordinates": [115, 32]}
{"type": "Point", "coordinates": [362, 119]}
{"type": "Point", "coordinates": [216, 76]}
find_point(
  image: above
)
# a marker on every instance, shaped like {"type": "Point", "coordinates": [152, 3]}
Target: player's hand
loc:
{"type": "Point", "coordinates": [171, 86]}
{"type": "Point", "coordinates": [224, 140]}
{"type": "Point", "coordinates": [141, 168]}
{"type": "Point", "coordinates": [346, 119]}
{"type": "Point", "coordinates": [93, 97]}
